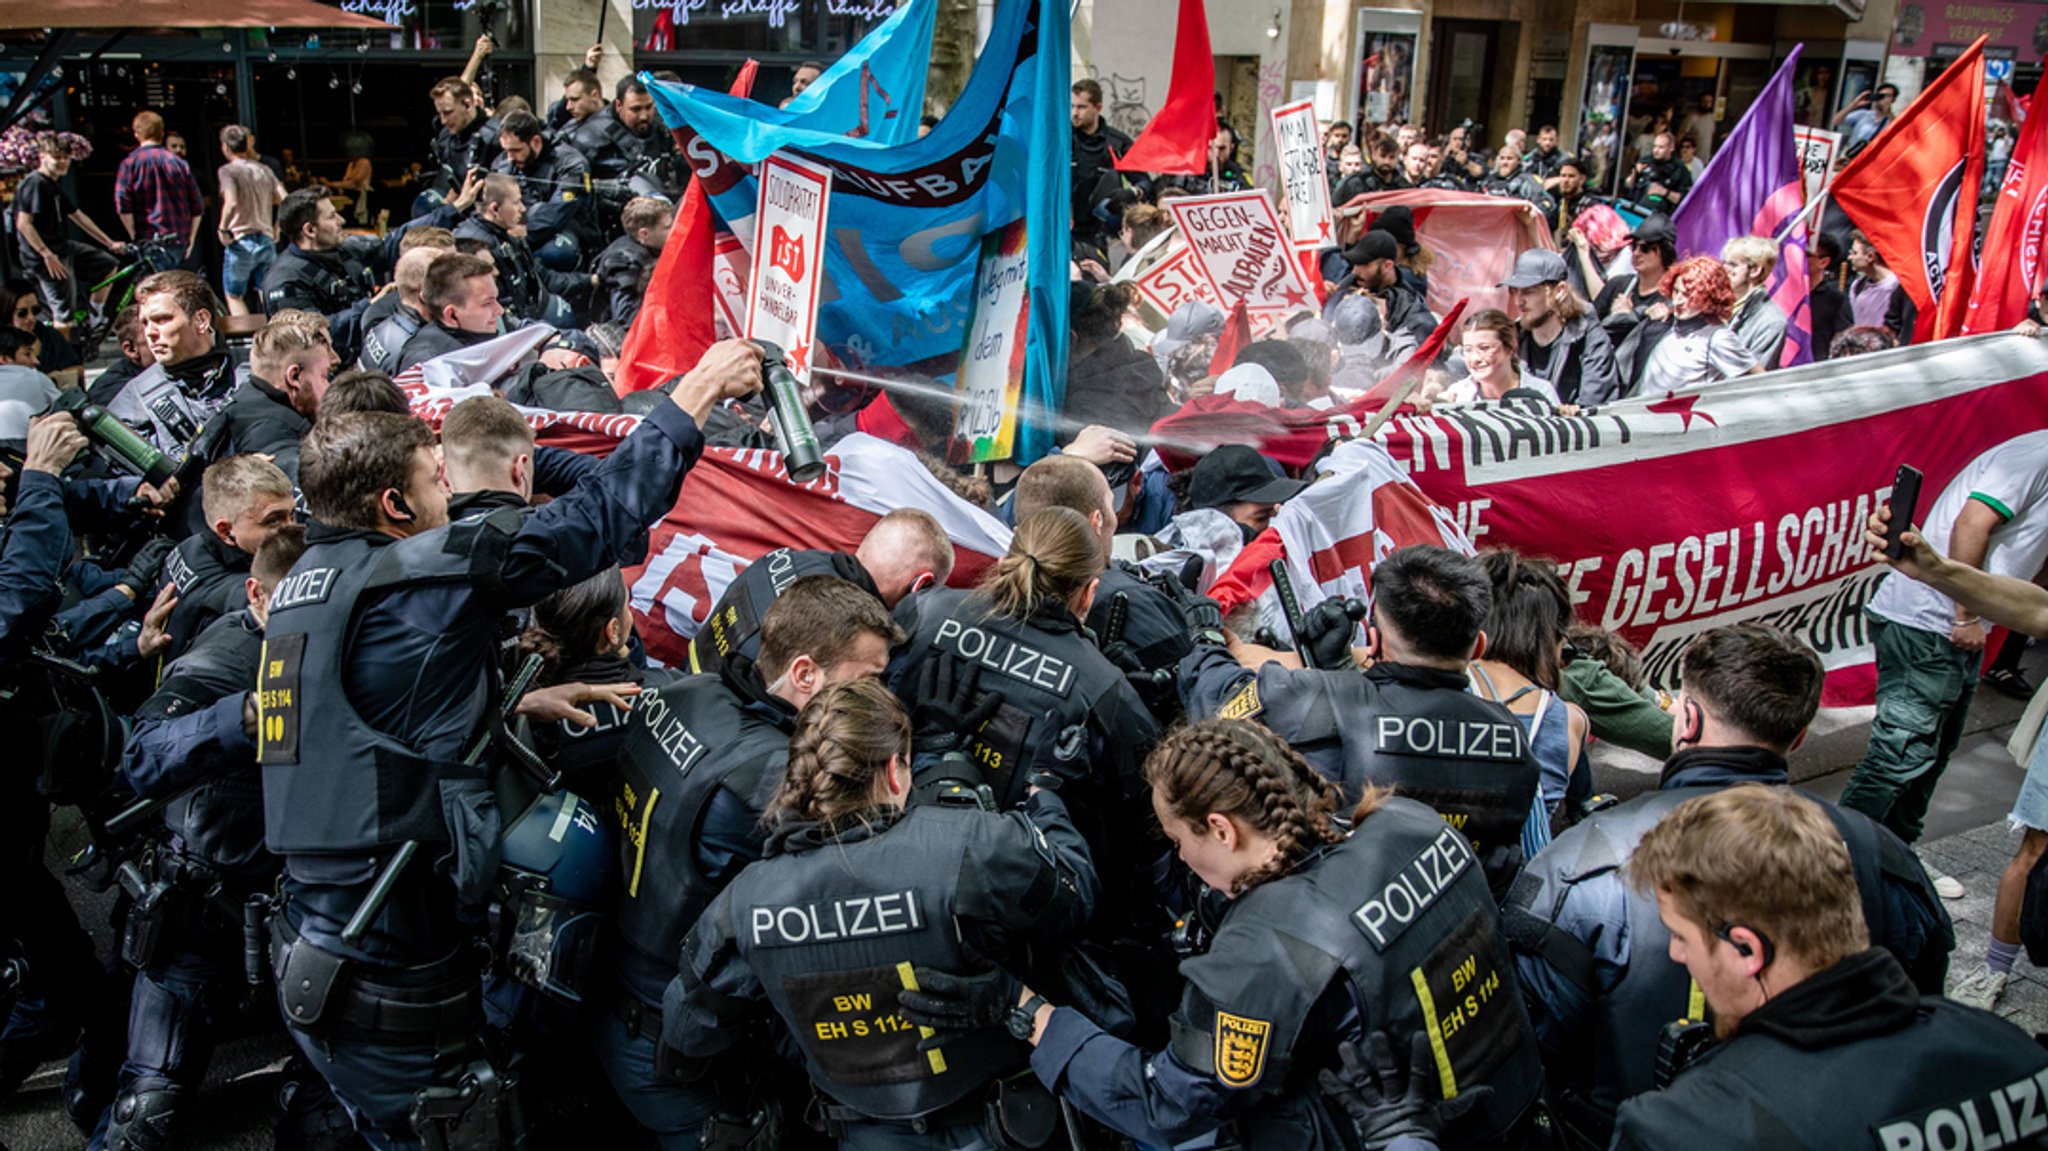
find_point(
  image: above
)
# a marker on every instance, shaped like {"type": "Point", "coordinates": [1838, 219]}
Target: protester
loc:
{"type": "Point", "coordinates": [1375, 274]}
{"type": "Point", "coordinates": [1493, 371]}
{"type": "Point", "coordinates": [1561, 344]}
{"type": "Point", "coordinates": [1827, 304]}
{"type": "Point", "coordinates": [1701, 348]}
{"type": "Point", "coordinates": [1873, 289]}
{"type": "Point", "coordinates": [1756, 319]}
{"type": "Point", "coordinates": [1632, 307]}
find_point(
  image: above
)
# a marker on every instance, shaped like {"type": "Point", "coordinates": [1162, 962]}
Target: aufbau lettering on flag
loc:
{"type": "Point", "coordinates": [1742, 502]}
{"type": "Point", "coordinates": [1240, 248]}
{"type": "Point", "coordinates": [782, 299]}
{"type": "Point", "coordinates": [910, 215]}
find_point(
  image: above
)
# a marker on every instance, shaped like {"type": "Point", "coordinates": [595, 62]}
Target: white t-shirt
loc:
{"type": "Point", "coordinates": [2011, 479]}
{"type": "Point", "coordinates": [1466, 391]}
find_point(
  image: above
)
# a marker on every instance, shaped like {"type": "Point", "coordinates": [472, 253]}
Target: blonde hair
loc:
{"type": "Point", "coordinates": [843, 741]}
{"type": "Point", "coordinates": [1761, 857]}
{"type": "Point", "coordinates": [1753, 251]}
{"type": "Point", "coordinates": [288, 339]}
{"type": "Point", "coordinates": [232, 483]}
{"type": "Point", "coordinates": [1053, 555]}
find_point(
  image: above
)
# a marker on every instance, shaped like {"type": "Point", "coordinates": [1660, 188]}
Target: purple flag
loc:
{"type": "Point", "coordinates": [1752, 187]}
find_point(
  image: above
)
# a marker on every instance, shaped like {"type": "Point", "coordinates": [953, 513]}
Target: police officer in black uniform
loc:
{"type": "Point", "coordinates": [858, 900]}
{"type": "Point", "coordinates": [291, 362]}
{"type": "Point", "coordinates": [905, 552]}
{"type": "Point", "coordinates": [1409, 722]}
{"type": "Point", "coordinates": [528, 290]}
{"type": "Point", "coordinates": [583, 635]}
{"type": "Point", "coordinates": [468, 136]}
{"type": "Point", "coordinates": [169, 402]}
{"type": "Point", "coordinates": [377, 676]}
{"type": "Point", "coordinates": [553, 178]}
{"type": "Point", "coordinates": [1329, 933]}
{"type": "Point", "coordinates": [1595, 959]}
{"type": "Point", "coordinates": [701, 758]}
{"type": "Point", "coordinates": [623, 136]}
{"type": "Point", "coordinates": [245, 499]}
{"type": "Point", "coordinates": [1823, 1039]}
{"type": "Point", "coordinates": [319, 271]}
{"type": "Point", "coordinates": [193, 746]}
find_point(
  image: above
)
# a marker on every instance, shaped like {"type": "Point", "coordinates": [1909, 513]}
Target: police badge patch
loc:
{"type": "Point", "coordinates": [1240, 1049]}
{"type": "Point", "coordinates": [1244, 705]}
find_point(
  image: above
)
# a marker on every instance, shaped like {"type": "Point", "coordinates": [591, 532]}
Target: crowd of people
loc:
{"type": "Point", "coordinates": [354, 711]}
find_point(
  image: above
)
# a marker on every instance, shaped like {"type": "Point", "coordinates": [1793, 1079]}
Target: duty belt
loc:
{"type": "Point", "coordinates": [968, 1112]}
{"type": "Point", "coordinates": [642, 1021]}
{"type": "Point", "coordinates": [441, 1005]}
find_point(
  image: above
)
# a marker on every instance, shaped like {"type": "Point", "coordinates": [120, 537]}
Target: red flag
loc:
{"type": "Point", "coordinates": [2012, 244]}
{"type": "Point", "coordinates": [1236, 336]}
{"type": "Point", "coordinates": [1177, 138]}
{"type": "Point", "coordinates": [1913, 192]}
{"type": "Point", "coordinates": [673, 326]}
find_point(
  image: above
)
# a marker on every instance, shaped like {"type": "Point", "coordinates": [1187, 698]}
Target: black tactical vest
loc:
{"type": "Point", "coordinates": [687, 742]}
{"type": "Point", "coordinates": [169, 412]}
{"type": "Point", "coordinates": [220, 820]}
{"type": "Point", "coordinates": [1421, 732]}
{"type": "Point", "coordinates": [1400, 909]}
{"type": "Point", "coordinates": [833, 932]}
{"type": "Point", "coordinates": [735, 624]}
{"type": "Point", "coordinates": [331, 782]}
{"type": "Point", "coordinates": [383, 343]}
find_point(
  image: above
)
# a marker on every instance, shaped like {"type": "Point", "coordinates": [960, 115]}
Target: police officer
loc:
{"type": "Point", "coordinates": [317, 271]}
{"type": "Point", "coordinates": [553, 179]}
{"type": "Point", "coordinates": [857, 902]}
{"type": "Point", "coordinates": [906, 551]}
{"type": "Point", "coordinates": [291, 362]}
{"type": "Point", "coordinates": [245, 499]}
{"type": "Point", "coordinates": [376, 680]}
{"type": "Point", "coordinates": [169, 402]}
{"type": "Point", "coordinates": [623, 136]}
{"type": "Point", "coordinates": [1327, 933]}
{"type": "Point", "coordinates": [384, 340]}
{"type": "Point", "coordinates": [583, 635]}
{"type": "Point", "coordinates": [1823, 1038]}
{"type": "Point", "coordinates": [462, 308]}
{"type": "Point", "coordinates": [1409, 722]}
{"type": "Point", "coordinates": [1595, 959]}
{"type": "Point", "coordinates": [468, 136]}
{"type": "Point", "coordinates": [624, 266]}
{"type": "Point", "coordinates": [701, 758]}
{"type": "Point", "coordinates": [193, 747]}
{"type": "Point", "coordinates": [529, 290]}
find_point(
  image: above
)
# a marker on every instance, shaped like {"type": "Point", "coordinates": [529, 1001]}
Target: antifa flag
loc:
{"type": "Point", "coordinates": [1176, 139]}
{"type": "Point", "coordinates": [908, 216]}
{"type": "Point", "coordinates": [1752, 187]}
{"type": "Point", "coordinates": [2011, 269]}
{"type": "Point", "coordinates": [1913, 192]}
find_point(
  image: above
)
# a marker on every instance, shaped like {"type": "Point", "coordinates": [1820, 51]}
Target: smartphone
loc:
{"type": "Point", "coordinates": [1904, 505]}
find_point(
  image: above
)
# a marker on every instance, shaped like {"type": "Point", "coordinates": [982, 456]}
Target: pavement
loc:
{"type": "Point", "coordinates": [1967, 838]}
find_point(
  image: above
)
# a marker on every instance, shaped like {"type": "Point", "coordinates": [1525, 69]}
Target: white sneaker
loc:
{"type": "Point", "coordinates": [1948, 887]}
{"type": "Point", "coordinates": [1980, 988]}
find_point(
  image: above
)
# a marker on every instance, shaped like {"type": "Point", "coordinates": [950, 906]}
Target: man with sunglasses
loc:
{"type": "Point", "coordinates": [1596, 962]}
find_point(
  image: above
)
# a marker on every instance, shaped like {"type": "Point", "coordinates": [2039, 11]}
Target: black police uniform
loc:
{"type": "Point", "coordinates": [383, 344]}
{"type": "Point", "coordinates": [1672, 173]}
{"type": "Point", "coordinates": [1392, 930]}
{"type": "Point", "coordinates": [260, 418]}
{"type": "Point", "coordinates": [333, 283]}
{"type": "Point", "coordinates": [454, 153]}
{"type": "Point", "coordinates": [1595, 958]}
{"type": "Point", "coordinates": [169, 406]}
{"type": "Point", "coordinates": [1068, 715]}
{"type": "Point", "coordinates": [588, 757]}
{"type": "Point", "coordinates": [1853, 1057]}
{"type": "Point", "coordinates": [1153, 634]}
{"type": "Point", "coordinates": [621, 275]}
{"type": "Point", "coordinates": [209, 576]}
{"type": "Point", "coordinates": [1417, 729]}
{"type": "Point", "coordinates": [613, 149]}
{"type": "Point", "coordinates": [554, 187]}
{"type": "Point", "coordinates": [523, 284]}
{"type": "Point", "coordinates": [700, 760]}
{"type": "Point", "coordinates": [734, 625]}
{"type": "Point", "coordinates": [376, 678]}
{"type": "Point", "coordinates": [185, 935]}
{"type": "Point", "coordinates": [433, 340]}
{"type": "Point", "coordinates": [828, 929]}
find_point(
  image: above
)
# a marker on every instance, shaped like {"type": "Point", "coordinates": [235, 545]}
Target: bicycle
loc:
{"type": "Point", "coordinates": [139, 261]}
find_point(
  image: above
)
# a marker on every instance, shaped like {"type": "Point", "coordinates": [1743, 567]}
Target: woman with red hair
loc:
{"type": "Point", "coordinates": [1702, 348]}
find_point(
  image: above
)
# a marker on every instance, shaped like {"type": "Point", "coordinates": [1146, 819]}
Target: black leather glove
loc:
{"type": "Point", "coordinates": [948, 710]}
{"type": "Point", "coordinates": [141, 573]}
{"type": "Point", "coordinates": [1327, 631]}
{"type": "Point", "coordinates": [952, 1004]}
{"type": "Point", "coordinates": [1383, 1105]}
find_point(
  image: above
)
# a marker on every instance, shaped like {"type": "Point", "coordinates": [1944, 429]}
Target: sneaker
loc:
{"type": "Point", "coordinates": [1948, 887]}
{"type": "Point", "coordinates": [2010, 680]}
{"type": "Point", "coordinates": [1980, 988]}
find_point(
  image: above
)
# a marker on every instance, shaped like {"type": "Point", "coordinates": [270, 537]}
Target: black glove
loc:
{"type": "Point", "coordinates": [948, 711]}
{"type": "Point", "coordinates": [955, 1004]}
{"type": "Point", "coordinates": [1327, 631]}
{"type": "Point", "coordinates": [1382, 1105]}
{"type": "Point", "coordinates": [140, 576]}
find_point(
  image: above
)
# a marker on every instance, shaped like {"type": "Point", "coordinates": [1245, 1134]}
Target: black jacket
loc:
{"type": "Point", "coordinates": [332, 283]}
{"type": "Point", "coordinates": [435, 340]}
{"type": "Point", "coordinates": [1117, 385]}
{"type": "Point", "coordinates": [621, 280]}
{"type": "Point", "coordinates": [261, 419]}
{"type": "Point", "coordinates": [1831, 316]}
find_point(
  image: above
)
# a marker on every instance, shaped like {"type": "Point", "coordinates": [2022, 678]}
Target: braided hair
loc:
{"type": "Point", "coordinates": [842, 743]}
{"type": "Point", "coordinates": [1239, 768]}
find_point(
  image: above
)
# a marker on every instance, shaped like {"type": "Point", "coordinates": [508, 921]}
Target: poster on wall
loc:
{"type": "Point", "coordinates": [1385, 55]}
{"type": "Point", "coordinates": [1603, 115]}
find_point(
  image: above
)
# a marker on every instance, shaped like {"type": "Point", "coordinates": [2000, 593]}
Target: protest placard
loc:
{"type": "Point", "coordinates": [789, 235]}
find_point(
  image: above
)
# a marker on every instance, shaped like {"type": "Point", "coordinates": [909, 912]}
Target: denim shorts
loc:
{"type": "Point", "coordinates": [244, 263]}
{"type": "Point", "coordinates": [2030, 809]}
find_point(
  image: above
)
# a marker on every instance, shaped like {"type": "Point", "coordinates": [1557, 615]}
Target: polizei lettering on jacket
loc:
{"type": "Point", "coordinates": [303, 587]}
{"type": "Point", "coordinates": [1448, 738]}
{"type": "Point", "coordinates": [1020, 662]}
{"type": "Point", "coordinates": [1386, 915]}
{"type": "Point", "coordinates": [2012, 1116]}
{"type": "Point", "coordinates": [855, 917]}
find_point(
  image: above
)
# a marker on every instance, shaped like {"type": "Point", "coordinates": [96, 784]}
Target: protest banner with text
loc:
{"type": "Point", "coordinates": [789, 237]}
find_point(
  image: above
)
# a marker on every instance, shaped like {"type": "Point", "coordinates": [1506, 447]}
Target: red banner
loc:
{"type": "Point", "coordinates": [2011, 271]}
{"type": "Point", "coordinates": [1176, 140]}
{"type": "Point", "coordinates": [1473, 239]}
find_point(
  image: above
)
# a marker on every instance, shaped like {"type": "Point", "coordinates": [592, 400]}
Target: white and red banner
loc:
{"type": "Point", "coordinates": [1240, 249]}
{"type": "Point", "coordinates": [1818, 148]}
{"type": "Point", "coordinates": [1474, 239]}
{"type": "Point", "coordinates": [1173, 281]}
{"type": "Point", "coordinates": [1303, 181]}
{"type": "Point", "coordinates": [788, 268]}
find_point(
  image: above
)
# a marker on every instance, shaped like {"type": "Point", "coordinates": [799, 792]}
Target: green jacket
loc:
{"type": "Point", "coordinates": [1618, 713]}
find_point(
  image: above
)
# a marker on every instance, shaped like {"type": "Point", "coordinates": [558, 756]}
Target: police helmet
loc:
{"type": "Point", "coordinates": [557, 877]}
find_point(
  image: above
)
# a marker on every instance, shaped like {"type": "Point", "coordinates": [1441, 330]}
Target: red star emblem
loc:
{"type": "Point", "coordinates": [1294, 297]}
{"type": "Point", "coordinates": [1682, 407]}
{"type": "Point", "coordinates": [1323, 229]}
{"type": "Point", "coordinates": [800, 354]}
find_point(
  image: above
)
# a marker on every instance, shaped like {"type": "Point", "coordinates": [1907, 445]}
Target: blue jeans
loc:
{"type": "Point", "coordinates": [674, 1112]}
{"type": "Point", "coordinates": [243, 265]}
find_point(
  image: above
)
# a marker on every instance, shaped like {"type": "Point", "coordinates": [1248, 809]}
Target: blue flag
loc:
{"type": "Point", "coordinates": [908, 214]}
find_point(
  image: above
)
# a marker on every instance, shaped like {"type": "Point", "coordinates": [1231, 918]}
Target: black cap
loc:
{"type": "Point", "coordinates": [1398, 222]}
{"type": "Point", "coordinates": [1655, 229]}
{"type": "Point", "coordinates": [1374, 245]}
{"type": "Point", "coordinates": [1237, 472]}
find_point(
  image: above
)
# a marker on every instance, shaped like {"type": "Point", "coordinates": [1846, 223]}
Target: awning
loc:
{"type": "Point", "coordinates": [182, 14]}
